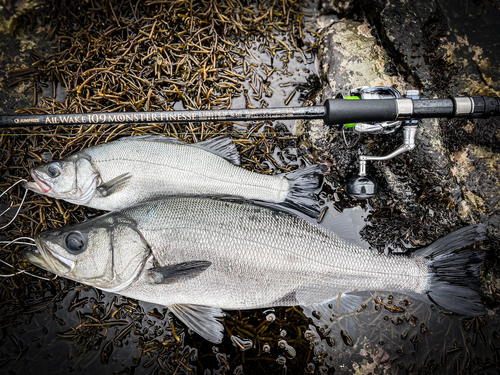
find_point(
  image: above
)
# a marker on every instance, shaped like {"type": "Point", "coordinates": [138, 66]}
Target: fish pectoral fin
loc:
{"type": "Point", "coordinates": [204, 320]}
{"type": "Point", "coordinates": [114, 185]}
{"type": "Point", "coordinates": [222, 146]}
{"type": "Point", "coordinates": [177, 272]}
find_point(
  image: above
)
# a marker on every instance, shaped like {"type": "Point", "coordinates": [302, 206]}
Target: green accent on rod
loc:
{"type": "Point", "coordinates": [351, 125]}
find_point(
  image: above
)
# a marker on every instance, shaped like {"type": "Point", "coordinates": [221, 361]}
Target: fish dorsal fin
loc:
{"type": "Point", "coordinates": [177, 272]}
{"type": "Point", "coordinates": [204, 320]}
{"type": "Point", "coordinates": [222, 146]}
{"type": "Point", "coordinates": [114, 184]}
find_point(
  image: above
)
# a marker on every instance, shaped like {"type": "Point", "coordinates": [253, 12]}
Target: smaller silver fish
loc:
{"type": "Point", "coordinates": [119, 174]}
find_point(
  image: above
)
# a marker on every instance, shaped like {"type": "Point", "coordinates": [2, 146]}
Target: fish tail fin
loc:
{"type": "Point", "coordinates": [303, 182]}
{"type": "Point", "coordinates": [453, 276]}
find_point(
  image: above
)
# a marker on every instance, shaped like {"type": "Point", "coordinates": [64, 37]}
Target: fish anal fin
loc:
{"type": "Point", "coordinates": [178, 272]}
{"type": "Point", "coordinates": [222, 146]}
{"type": "Point", "coordinates": [347, 303]}
{"type": "Point", "coordinates": [204, 320]}
{"type": "Point", "coordinates": [114, 185]}
{"type": "Point", "coordinates": [330, 315]}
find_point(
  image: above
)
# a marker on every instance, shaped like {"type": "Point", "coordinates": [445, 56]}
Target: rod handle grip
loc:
{"type": "Point", "coordinates": [343, 111]}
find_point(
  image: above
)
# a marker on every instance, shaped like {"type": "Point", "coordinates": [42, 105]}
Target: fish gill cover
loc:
{"type": "Point", "coordinates": [162, 55]}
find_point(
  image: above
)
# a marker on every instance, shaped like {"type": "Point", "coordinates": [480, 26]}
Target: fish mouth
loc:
{"type": "Point", "coordinates": [39, 184]}
{"type": "Point", "coordinates": [44, 258]}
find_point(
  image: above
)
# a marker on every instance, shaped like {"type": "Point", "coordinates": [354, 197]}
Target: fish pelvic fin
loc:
{"type": "Point", "coordinates": [301, 194]}
{"type": "Point", "coordinates": [204, 320]}
{"type": "Point", "coordinates": [177, 272]}
{"type": "Point", "coordinates": [114, 185]}
{"type": "Point", "coordinates": [452, 283]}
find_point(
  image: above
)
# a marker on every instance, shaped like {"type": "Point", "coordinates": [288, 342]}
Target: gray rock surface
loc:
{"type": "Point", "coordinates": [452, 178]}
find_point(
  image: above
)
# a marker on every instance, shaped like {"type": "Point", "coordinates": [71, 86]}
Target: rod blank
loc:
{"type": "Point", "coordinates": [334, 112]}
{"type": "Point", "coordinates": [257, 114]}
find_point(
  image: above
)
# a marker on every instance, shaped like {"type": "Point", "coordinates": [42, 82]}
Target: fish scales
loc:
{"type": "Point", "coordinates": [197, 172]}
{"type": "Point", "coordinates": [259, 256]}
{"type": "Point", "coordinates": [200, 255]}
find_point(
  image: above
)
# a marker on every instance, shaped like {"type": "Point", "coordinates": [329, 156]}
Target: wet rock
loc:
{"type": "Point", "coordinates": [477, 170]}
{"type": "Point", "coordinates": [342, 8]}
{"type": "Point", "coordinates": [474, 52]}
{"type": "Point", "coordinates": [433, 46]}
{"type": "Point", "coordinates": [416, 188]}
{"type": "Point", "coordinates": [408, 29]}
{"type": "Point", "coordinates": [436, 45]}
{"type": "Point", "coordinates": [349, 57]}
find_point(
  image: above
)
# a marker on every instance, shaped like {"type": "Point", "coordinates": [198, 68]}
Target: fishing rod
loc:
{"type": "Point", "coordinates": [385, 115]}
{"type": "Point", "coordinates": [391, 106]}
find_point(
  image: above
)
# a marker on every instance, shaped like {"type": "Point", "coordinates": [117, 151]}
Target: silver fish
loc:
{"type": "Point", "coordinates": [199, 255]}
{"type": "Point", "coordinates": [132, 170]}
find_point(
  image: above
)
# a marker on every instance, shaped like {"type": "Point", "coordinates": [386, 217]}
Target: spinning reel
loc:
{"type": "Point", "coordinates": [363, 186]}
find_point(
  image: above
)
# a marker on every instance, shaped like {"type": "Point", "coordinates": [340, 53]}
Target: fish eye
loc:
{"type": "Point", "coordinates": [75, 243]}
{"type": "Point", "coordinates": [54, 170]}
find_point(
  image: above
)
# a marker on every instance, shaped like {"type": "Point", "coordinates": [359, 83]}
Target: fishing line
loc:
{"type": "Point", "coordinates": [33, 242]}
{"type": "Point", "coordinates": [16, 241]}
{"type": "Point", "coordinates": [22, 271]}
{"type": "Point", "coordinates": [19, 208]}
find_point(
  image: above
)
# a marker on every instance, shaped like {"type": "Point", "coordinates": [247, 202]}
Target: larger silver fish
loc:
{"type": "Point", "coordinates": [199, 255]}
{"type": "Point", "coordinates": [132, 170]}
